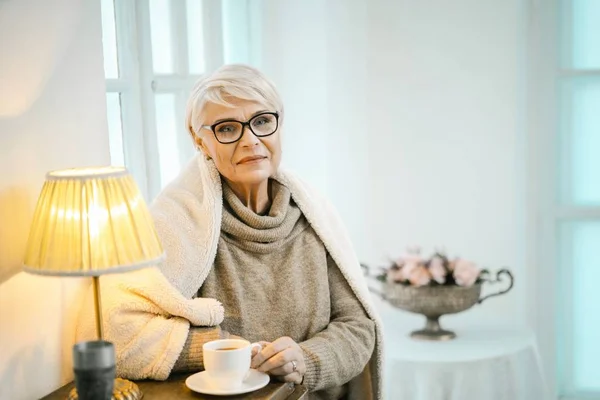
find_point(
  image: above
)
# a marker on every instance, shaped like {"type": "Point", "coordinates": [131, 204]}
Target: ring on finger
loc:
{"type": "Point", "coordinates": [294, 366]}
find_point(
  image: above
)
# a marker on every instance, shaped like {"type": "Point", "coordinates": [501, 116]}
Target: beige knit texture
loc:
{"type": "Point", "coordinates": [274, 278]}
{"type": "Point", "coordinates": [191, 357]}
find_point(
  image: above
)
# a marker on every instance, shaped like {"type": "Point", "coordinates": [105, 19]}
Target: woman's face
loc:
{"type": "Point", "coordinates": [249, 161]}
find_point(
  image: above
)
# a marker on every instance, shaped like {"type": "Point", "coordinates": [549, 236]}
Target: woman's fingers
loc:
{"type": "Point", "coordinates": [255, 350]}
{"type": "Point", "coordinates": [279, 360]}
{"type": "Point", "coordinates": [270, 350]}
{"type": "Point", "coordinates": [285, 369]}
{"type": "Point", "coordinates": [282, 358]}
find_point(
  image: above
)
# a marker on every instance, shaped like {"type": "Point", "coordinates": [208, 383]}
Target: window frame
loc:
{"type": "Point", "coordinates": [138, 83]}
{"type": "Point", "coordinates": [550, 315]}
{"type": "Point", "coordinates": [564, 212]}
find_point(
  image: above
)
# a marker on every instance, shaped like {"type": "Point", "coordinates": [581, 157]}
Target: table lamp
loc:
{"type": "Point", "coordinates": [90, 222]}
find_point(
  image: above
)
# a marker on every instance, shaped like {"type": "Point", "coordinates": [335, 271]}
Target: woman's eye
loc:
{"type": "Point", "coordinates": [261, 121]}
{"type": "Point", "coordinates": [225, 128]}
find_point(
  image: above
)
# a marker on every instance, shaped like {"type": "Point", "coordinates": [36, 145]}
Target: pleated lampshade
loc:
{"type": "Point", "coordinates": [90, 222]}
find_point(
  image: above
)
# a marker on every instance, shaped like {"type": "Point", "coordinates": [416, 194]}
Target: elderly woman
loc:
{"type": "Point", "coordinates": [251, 251]}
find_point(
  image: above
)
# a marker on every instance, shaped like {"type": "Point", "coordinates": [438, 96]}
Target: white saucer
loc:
{"type": "Point", "coordinates": [199, 383]}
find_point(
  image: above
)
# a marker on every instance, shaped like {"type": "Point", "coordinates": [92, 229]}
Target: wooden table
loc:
{"type": "Point", "coordinates": [174, 388]}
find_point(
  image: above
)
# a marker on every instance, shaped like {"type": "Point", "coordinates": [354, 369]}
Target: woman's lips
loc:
{"type": "Point", "coordinates": [251, 160]}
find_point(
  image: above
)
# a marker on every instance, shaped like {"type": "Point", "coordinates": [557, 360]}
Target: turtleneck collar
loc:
{"type": "Point", "coordinates": [261, 233]}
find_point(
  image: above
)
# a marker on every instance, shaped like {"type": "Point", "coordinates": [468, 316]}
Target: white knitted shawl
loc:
{"type": "Point", "coordinates": [147, 314]}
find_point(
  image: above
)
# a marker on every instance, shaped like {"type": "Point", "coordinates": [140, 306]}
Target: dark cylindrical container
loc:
{"type": "Point", "coordinates": [94, 367]}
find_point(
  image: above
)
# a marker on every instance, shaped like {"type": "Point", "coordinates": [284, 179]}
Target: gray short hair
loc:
{"type": "Point", "coordinates": [236, 81]}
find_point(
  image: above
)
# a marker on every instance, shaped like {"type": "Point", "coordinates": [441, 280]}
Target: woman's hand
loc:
{"type": "Point", "coordinates": [282, 358]}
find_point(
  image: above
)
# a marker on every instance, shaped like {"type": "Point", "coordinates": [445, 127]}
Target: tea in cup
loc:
{"type": "Point", "coordinates": [227, 361]}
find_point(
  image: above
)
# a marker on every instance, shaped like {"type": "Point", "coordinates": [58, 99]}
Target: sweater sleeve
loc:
{"type": "Point", "coordinates": [191, 358]}
{"type": "Point", "coordinates": [340, 352]}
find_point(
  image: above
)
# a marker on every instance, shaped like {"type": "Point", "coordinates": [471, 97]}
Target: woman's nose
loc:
{"type": "Point", "coordinates": [248, 137]}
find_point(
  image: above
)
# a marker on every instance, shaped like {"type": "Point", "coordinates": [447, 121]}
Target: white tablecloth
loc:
{"type": "Point", "coordinates": [480, 364]}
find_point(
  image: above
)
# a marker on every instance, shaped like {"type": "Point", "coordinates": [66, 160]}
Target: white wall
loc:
{"type": "Point", "coordinates": [444, 95]}
{"type": "Point", "coordinates": [52, 115]}
{"type": "Point", "coordinates": [315, 52]}
{"type": "Point", "coordinates": [294, 57]}
{"type": "Point", "coordinates": [410, 116]}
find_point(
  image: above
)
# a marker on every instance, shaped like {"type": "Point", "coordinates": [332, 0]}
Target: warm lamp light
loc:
{"type": "Point", "coordinates": [90, 222]}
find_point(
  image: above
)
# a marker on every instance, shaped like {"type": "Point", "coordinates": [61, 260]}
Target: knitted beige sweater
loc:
{"type": "Point", "coordinates": [274, 278]}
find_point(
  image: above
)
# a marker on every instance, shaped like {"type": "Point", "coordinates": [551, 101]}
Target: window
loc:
{"type": "Point", "coordinates": [154, 51]}
{"type": "Point", "coordinates": [576, 212]}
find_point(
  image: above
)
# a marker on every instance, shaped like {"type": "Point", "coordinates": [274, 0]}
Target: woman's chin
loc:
{"type": "Point", "coordinates": [254, 177]}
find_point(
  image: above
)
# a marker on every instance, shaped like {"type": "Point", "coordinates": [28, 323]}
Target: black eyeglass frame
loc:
{"type": "Point", "coordinates": [244, 125]}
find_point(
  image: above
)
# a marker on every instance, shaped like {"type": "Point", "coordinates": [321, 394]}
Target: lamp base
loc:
{"type": "Point", "coordinates": [123, 390]}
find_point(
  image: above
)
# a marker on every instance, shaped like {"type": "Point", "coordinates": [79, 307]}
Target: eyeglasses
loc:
{"type": "Point", "coordinates": [231, 130]}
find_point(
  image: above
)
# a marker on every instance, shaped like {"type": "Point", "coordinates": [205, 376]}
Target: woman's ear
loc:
{"type": "Point", "coordinates": [197, 143]}
{"type": "Point", "coordinates": [200, 146]}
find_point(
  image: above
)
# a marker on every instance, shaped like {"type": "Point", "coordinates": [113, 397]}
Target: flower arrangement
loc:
{"type": "Point", "coordinates": [415, 270]}
{"type": "Point", "coordinates": [436, 286]}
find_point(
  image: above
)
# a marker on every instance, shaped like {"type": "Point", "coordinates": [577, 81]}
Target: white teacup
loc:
{"type": "Point", "coordinates": [227, 361]}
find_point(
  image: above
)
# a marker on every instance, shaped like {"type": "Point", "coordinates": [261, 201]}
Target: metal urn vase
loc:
{"type": "Point", "coordinates": [435, 301]}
